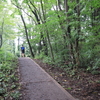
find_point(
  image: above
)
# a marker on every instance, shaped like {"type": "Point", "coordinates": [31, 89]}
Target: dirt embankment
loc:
{"type": "Point", "coordinates": [84, 86]}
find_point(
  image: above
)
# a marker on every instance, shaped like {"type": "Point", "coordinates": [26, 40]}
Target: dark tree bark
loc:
{"type": "Point", "coordinates": [26, 31]}
{"type": "Point", "coordinates": [78, 33]}
{"type": "Point", "coordinates": [42, 39]}
{"type": "Point", "coordinates": [27, 36]}
{"type": "Point", "coordinates": [59, 2]}
{"type": "Point", "coordinates": [18, 43]}
{"type": "Point", "coordinates": [35, 14]}
{"type": "Point", "coordinates": [68, 33]}
{"type": "Point", "coordinates": [1, 39]}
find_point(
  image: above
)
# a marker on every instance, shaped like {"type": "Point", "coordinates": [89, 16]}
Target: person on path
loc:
{"type": "Point", "coordinates": [22, 51]}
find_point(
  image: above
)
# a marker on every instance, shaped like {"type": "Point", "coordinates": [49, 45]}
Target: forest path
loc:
{"type": "Point", "coordinates": [39, 85]}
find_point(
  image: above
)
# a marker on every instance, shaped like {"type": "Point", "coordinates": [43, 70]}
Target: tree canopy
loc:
{"type": "Point", "coordinates": [61, 32]}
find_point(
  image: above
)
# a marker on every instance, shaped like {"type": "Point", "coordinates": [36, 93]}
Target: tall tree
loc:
{"type": "Point", "coordinates": [27, 36]}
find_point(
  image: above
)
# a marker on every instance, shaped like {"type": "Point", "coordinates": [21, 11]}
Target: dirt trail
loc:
{"type": "Point", "coordinates": [37, 84]}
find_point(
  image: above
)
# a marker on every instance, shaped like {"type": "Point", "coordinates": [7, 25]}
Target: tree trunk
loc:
{"type": "Point", "coordinates": [77, 38]}
{"type": "Point", "coordinates": [18, 43]}
{"type": "Point", "coordinates": [47, 33]}
{"type": "Point", "coordinates": [27, 36]}
{"type": "Point", "coordinates": [68, 34]}
{"type": "Point", "coordinates": [41, 34]}
{"type": "Point", "coordinates": [59, 5]}
{"type": "Point", "coordinates": [1, 39]}
{"type": "Point", "coordinates": [44, 44]}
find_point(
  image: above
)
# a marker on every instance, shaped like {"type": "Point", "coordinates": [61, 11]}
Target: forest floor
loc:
{"type": "Point", "coordinates": [82, 85]}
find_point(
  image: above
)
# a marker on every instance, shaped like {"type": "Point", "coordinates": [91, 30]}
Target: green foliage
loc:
{"type": "Point", "coordinates": [69, 88]}
{"type": "Point", "coordinates": [25, 1]}
{"type": "Point", "coordinates": [5, 55]}
{"type": "Point", "coordinates": [40, 56]}
{"type": "Point", "coordinates": [9, 86]}
{"type": "Point", "coordinates": [15, 95]}
{"type": "Point", "coordinates": [90, 53]}
{"type": "Point", "coordinates": [18, 54]}
{"type": "Point", "coordinates": [48, 60]}
{"type": "Point", "coordinates": [60, 30]}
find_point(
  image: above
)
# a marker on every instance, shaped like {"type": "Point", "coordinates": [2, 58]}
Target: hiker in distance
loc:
{"type": "Point", "coordinates": [22, 51]}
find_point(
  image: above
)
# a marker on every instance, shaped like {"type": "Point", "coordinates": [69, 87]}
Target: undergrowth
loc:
{"type": "Point", "coordinates": [9, 85]}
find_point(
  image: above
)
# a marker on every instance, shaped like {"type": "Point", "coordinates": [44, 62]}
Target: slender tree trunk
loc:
{"type": "Point", "coordinates": [41, 34]}
{"type": "Point", "coordinates": [68, 33]}
{"type": "Point", "coordinates": [47, 33]}
{"type": "Point", "coordinates": [1, 39]}
{"type": "Point", "coordinates": [77, 38]}
{"type": "Point", "coordinates": [59, 5]}
{"type": "Point", "coordinates": [13, 47]}
{"type": "Point", "coordinates": [44, 40]}
{"type": "Point", "coordinates": [18, 43]}
{"type": "Point", "coordinates": [27, 36]}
